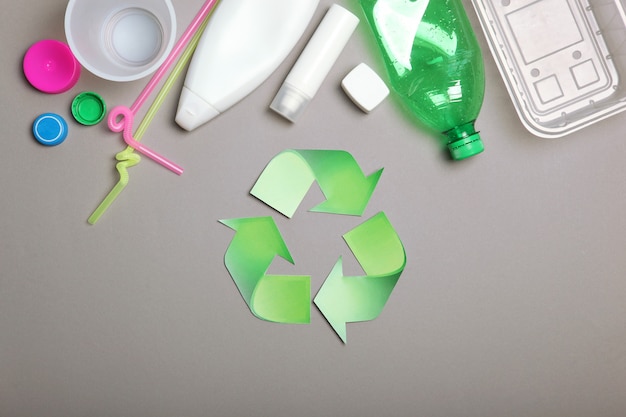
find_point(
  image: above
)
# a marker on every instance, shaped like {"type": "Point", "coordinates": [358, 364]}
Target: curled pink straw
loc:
{"type": "Point", "coordinates": [121, 120]}
{"type": "Point", "coordinates": [125, 123]}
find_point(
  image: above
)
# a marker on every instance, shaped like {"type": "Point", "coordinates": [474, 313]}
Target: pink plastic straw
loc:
{"type": "Point", "coordinates": [178, 48]}
{"type": "Point", "coordinates": [125, 122]}
{"type": "Point", "coordinates": [123, 118]}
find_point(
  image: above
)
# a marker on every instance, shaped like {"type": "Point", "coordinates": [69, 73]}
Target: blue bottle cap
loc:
{"type": "Point", "coordinates": [50, 129]}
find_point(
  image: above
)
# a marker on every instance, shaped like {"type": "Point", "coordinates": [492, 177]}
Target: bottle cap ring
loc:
{"type": "Point", "coordinates": [466, 147]}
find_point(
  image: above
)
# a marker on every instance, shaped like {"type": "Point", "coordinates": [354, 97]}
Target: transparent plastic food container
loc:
{"type": "Point", "coordinates": [563, 61]}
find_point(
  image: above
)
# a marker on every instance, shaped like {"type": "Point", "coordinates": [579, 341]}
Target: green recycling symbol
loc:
{"type": "Point", "coordinates": [257, 241]}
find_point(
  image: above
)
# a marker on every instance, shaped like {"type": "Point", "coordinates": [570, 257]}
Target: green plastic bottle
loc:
{"type": "Point", "coordinates": [434, 64]}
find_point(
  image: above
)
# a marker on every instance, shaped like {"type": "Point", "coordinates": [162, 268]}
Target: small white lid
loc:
{"type": "Point", "coordinates": [193, 111]}
{"type": "Point", "coordinates": [364, 87]}
{"type": "Point", "coordinates": [289, 102]}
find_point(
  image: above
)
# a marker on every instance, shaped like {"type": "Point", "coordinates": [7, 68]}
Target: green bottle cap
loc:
{"type": "Point", "coordinates": [88, 108]}
{"type": "Point", "coordinates": [466, 147]}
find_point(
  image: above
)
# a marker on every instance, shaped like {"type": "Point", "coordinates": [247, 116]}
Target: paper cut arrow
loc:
{"type": "Point", "coordinates": [381, 254]}
{"type": "Point", "coordinates": [277, 298]}
{"type": "Point", "coordinates": [287, 178]}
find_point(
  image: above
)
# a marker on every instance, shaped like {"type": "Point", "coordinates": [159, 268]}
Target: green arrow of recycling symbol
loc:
{"type": "Point", "coordinates": [288, 177]}
{"type": "Point", "coordinates": [279, 298]}
{"type": "Point", "coordinates": [374, 243]}
{"type": "Point", "coordinates": [379, 250]}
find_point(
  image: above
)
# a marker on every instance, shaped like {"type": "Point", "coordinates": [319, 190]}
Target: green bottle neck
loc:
{"type": "Point", "coordinates": [464, 141]}
{"type": "Point", "coordinates": [460, 132]}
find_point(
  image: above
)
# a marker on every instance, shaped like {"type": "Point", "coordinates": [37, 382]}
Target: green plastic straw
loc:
{"type": "Point", "coordinates": [128, 158]}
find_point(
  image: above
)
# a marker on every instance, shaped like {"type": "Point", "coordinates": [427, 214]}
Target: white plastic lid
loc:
{"type": "Point", "coordinates": [193, 111]}
{"type": "Point", "coordinates": [364, 87]}
{"type": "Point", "coordinates": [289, 102]}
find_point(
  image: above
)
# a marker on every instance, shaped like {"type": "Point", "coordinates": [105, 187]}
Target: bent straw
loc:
{"type": "Point", "coordinates": [127, 158]}
{"type": "Point", "coordinates": [191, 30]}
{"type": "Point", "coordinates": [127, 114]}
{"type": "Point", "coordinates": [121, 120]}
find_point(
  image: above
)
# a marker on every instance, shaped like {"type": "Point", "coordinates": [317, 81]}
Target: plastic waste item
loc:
{"type": "Point", "coordinates": [315, 62]}
{"type": "Point", "coordinates": [128, 158]}
{"type": "Point", "coordinates": [364, 87]}
{"type": "Point", "coordinates": [88, 108]}
{"type": "Point", "coordinates": [120, 40]}
{"type": "Point", "coordinates": [121, 117]}
{"type": "Point", "coordinates": [243, 44]}
{"type": "Point", "coordinates": [50, 129]}
{"type": "Point", "coordinates": [434, 64]}
{"type": "Point", "coordinates": [567, 72]}
{"type": "Point", "coordinates": [121, 120]}
{"type": "Point", "coordinates": [50, 66]}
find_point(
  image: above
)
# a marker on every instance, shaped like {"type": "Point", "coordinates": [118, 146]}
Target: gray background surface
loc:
{"type": "Point", "coordinates": [512, 302]}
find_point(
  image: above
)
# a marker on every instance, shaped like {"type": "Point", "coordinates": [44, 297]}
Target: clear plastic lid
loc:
{"type": "Point", "coordinates": [562, 61]}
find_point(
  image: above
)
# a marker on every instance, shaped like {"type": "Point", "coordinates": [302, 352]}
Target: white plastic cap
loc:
{"type": "Point", "coordinates": [289, 102]}
{"type": "Point", "coordinates": [193, 111]}
{"type": "Point", "coordinates": [364, 87]}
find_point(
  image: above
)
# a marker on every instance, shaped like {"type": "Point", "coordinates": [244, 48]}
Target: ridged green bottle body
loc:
{"type": "Point", "coordinates": [434, 63]}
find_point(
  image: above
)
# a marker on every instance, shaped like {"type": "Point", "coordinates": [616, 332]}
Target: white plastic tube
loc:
{"type": "Point", "coordinates": [243, 44]}
{"type": "Point", "coordinates": [315, 62]}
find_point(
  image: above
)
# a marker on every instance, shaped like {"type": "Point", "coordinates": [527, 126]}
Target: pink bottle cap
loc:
{"type": "Point", "coordinates": [50, 66]}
